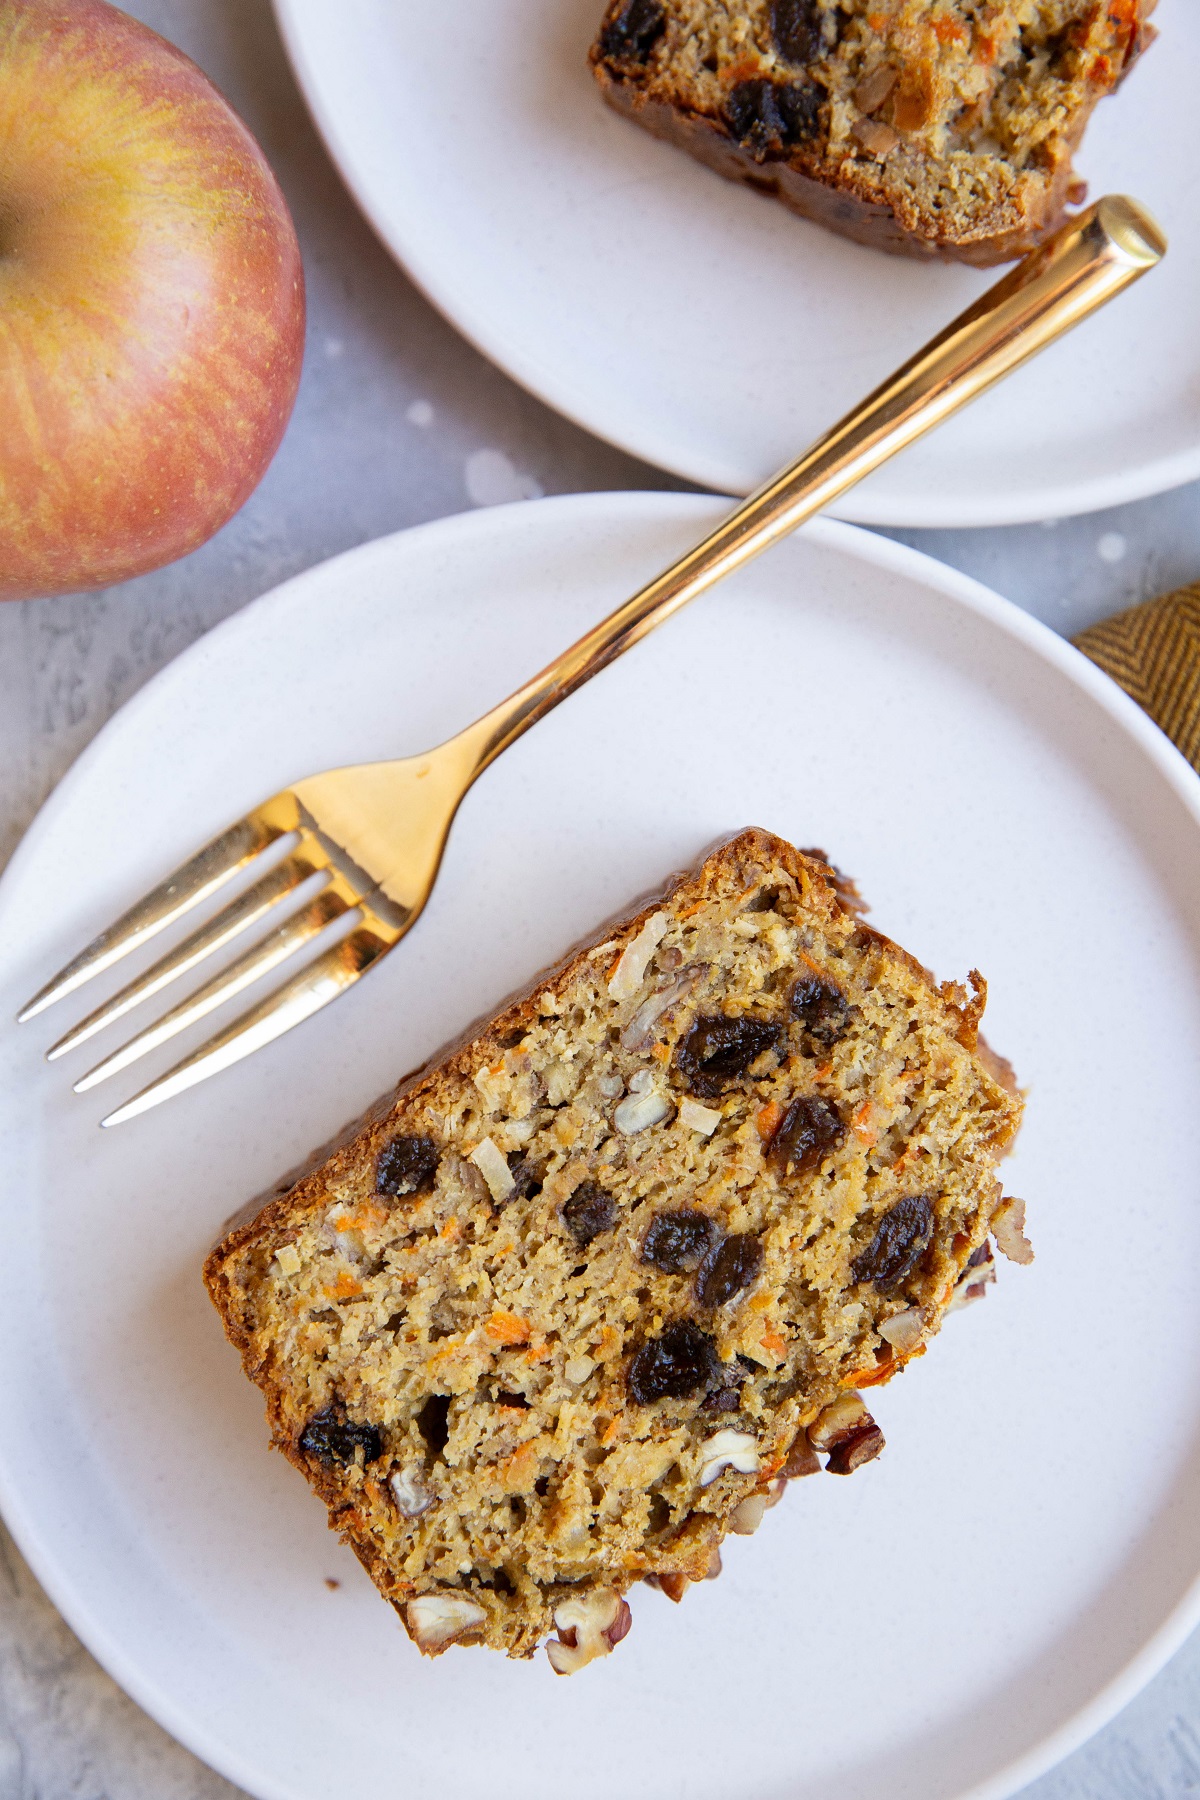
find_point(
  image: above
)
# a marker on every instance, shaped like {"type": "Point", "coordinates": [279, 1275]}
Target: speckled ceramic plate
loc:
{"type": "Point", "coordinates": [700, 325]}
{"type": "Point", "coordinates": [956, 1615]}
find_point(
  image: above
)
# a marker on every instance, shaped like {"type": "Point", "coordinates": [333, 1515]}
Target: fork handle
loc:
{"type": "Point", "coordinates": [1092, 258]}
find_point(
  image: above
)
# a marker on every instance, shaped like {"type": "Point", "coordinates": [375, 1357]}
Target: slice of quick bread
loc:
{"type": "Point", "coordinates": [931, 127]}
{"type": "Point", "coordinates": [585, 1292]}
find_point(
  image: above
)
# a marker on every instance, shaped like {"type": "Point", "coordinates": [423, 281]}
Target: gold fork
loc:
{"type": "Point", "coordinates": [373, 835]}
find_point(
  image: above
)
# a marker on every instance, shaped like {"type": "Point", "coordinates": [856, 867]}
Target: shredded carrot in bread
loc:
{"type": "Point", "coordinates": [508, 1328]}
{"type": "Point", "coordinates": [346, 1287]}
{"type": "Point", "coordinates": [520, 1469]}
{"type": "Point", "coordinates": [767, 1120]}
{"type": "Point", "coordinates": [744, 69]}
{"type": "Point", "coordinates": [362, 1217]}
{"type": "Point", "coordinates": [864, 1131]}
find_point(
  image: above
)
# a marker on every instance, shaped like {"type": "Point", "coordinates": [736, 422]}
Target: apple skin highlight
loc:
{"type": "Point", "coordinates": [151, 301]}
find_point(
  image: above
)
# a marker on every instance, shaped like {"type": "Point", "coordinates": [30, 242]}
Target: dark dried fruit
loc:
{"type": "Point", "coordinates": [728, 1268]}
{"type": "Point", "coordinates": [796, 29]}
{"type": "Point", "coordinates": [527, 1173]}
{"type": "Point", "coordinates": [980, 1255]}
{"type": "Point", "coordinates": [722, 1399]}
{"type": "Point", "coordinates": [433, 1422]}
{"type": "Point", "coordinates": [406, 1165]}
{"type": "Point", "coordinates": [720, 1048]}
{"type": "Point", "coordinates": [678, 1240]}
{"type": "Point", "coordinates": [821, 1008]}
{"type": "Point", "coordinates": [676, 1363]}
{"type": "Point", "coordinates": [634, 31]}
{"type": "Point", "coordinates": [590, 1210]}
{"type": "Point", "coordinates": [334, 1439]}
{"type": "Point", "coordinates": [808, 1131]}
{"type": "Point", "coordinates": [853, 1451]}
{"type": "Point", "coordinates": [768, 117]}
{"type": "Point", "coordinates": [900, 1241]}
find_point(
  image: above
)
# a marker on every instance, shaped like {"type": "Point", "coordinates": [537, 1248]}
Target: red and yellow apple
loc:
{"type": "Point", "coordinates": [151, 301]}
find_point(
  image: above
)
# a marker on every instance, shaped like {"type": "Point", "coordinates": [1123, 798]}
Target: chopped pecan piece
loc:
{"type": "Point", "coordinates": [589, 1627]}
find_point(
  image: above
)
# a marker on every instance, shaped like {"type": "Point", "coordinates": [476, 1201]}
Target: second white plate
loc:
{"type": "Point", "coordinates": [703, 327]}
{"type": "Point", "coordinates": [953, 1617]}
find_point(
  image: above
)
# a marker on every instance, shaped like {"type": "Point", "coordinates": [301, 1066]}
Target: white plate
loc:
{"type": "Point", "coordinates": [703, 327]}
{"type": "Point", "coordinates": [957, 1615]}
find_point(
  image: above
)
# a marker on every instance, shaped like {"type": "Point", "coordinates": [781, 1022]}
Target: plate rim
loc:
{"type": "Point", "coordinates": [86, 1620]}
{"type": "Point", "coordinates": [662, 450]}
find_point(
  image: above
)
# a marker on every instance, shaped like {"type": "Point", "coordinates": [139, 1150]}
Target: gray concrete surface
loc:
{"type": "Point", "coordinates": [400, 421]}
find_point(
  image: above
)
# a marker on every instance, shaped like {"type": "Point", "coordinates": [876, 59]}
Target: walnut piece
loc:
{"type": "Point", "coordinates": [1008, 1229]}
{"type": "Point", "coordinates": [903, 1330]}
{"type": "Point", "coordinates": [645, 1105]}
{"type": "Point", "coordinates": [435, 1620]}
{"type": "Point", "coordinates": [640, 1031]}
{"type": "Point", "coordinates": [410, 1493]}
{"type": "Point", "coordinates": [728, 1450]}
{"type": "Point", "coordinates": [875, 137]}
{"type": "Point", "coordinates": [862, 1448]}
{"type": "Point", "coordinates": [874, 89]}
{"type": "Point", "coordinates": [587, 1628]}
{"type": "Point", "coordinates": [695, 1117]}
{"type": "Point", "coordinates": [801, 1460]}
{"type": "Point", "coordinates": [972, 1283]}
{"type": "Point", "coordinates": [746, 1518]}
{"type": "Point", "coordinates": [842, 1416]}
{"type": "Point", "coordinates": [848, 1433]}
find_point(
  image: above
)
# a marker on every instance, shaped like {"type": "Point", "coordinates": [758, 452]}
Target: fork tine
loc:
{"type": "Point", "coordinates": [321, 981]}
{"type": "Point", "coordinates": [228, 924]}
{"type": "Point", "coordinates": [267, 954]}
{"type": "Point", "coordinates": [191, 883]}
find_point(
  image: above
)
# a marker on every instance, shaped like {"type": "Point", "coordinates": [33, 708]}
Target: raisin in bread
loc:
{"type": "Point", "coordinates": [579, 1297]}
{"type": "Point", "coordinates": [942, 129]}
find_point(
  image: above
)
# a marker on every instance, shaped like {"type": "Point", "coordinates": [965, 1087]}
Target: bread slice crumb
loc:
{"type": "Point", "coordinates": [583, 1294]}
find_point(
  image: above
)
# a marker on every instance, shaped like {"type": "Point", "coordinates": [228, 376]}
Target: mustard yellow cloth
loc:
{"type": "Point", "coordinates": [1153, 652]}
